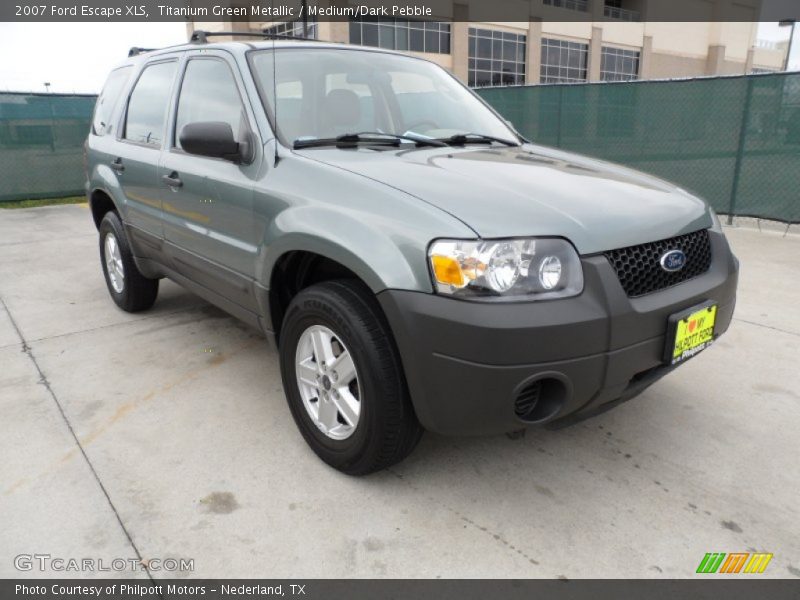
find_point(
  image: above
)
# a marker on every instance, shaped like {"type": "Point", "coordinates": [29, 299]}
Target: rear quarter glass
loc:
{"type": "Point", "coordinates": [107, 101]}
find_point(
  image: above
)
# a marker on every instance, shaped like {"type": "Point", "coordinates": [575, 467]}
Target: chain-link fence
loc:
{"type": "Point", "coordinates": [733, 140]}
{"type": "Point", "coordinates": [41, 144]}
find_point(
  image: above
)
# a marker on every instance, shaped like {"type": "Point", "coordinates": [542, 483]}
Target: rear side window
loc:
{"type": "Point", "coordinates": [209, 93]}
{"type": "Point", "coordinates": [147, 107]}
{"type": "Point", "coordinates": [103, 110]}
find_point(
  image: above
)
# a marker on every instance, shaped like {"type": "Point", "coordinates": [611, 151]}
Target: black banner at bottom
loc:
{"type": "Point", "coordinates": [397, 589]}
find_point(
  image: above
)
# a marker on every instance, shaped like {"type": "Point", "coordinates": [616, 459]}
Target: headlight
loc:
{"type": "Point", "coordinates": [518, 269]}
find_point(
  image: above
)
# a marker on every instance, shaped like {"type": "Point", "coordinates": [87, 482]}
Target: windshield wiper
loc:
{"type": "Point", "coordinates": [376, 138]}
{"type": "Point", "coordinates": [347, 140]}
{"type": "Point", "coordinates": [461, 139]}
{"type": "Point", "coordinates": [422, 140]}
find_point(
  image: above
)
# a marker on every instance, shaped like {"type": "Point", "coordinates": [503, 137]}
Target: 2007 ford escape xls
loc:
{"type": "Point", "coordinates": [418, 264]}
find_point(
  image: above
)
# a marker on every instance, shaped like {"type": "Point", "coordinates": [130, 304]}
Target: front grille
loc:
{"type": "Point", "coordinates": [640, 272]}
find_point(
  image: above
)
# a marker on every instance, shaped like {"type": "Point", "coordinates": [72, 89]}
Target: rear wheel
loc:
{"type": "Point", "coordinates": [343, 379]}
{"type": "Point", "coordinates": [129, 289]}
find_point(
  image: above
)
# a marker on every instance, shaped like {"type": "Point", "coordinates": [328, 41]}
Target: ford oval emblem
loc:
{"type": "Point", "coordinates": [672, 261]}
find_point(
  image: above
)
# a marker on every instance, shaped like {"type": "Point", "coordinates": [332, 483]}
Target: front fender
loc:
{"type": "Point", "coordinates": [384, 257]}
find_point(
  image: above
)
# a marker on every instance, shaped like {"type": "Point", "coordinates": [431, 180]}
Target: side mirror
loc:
{"type": "Point", "coordinates": [215, 139]}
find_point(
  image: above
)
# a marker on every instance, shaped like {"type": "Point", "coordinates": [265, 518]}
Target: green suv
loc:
{"type": "Point", "coordinates": [417, 263]}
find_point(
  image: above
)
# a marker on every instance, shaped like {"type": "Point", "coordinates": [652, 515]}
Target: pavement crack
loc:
{"type": "Point", "coordinates": [495, 535]}
{"type": "Point", "coordinates": [794, 333]}
{"type": "Point", "coordinates": [154, 315]}
{"type": "Point", "coordinates": [43, 380]}
{"type": "Point", "coordinates": [23, 242]}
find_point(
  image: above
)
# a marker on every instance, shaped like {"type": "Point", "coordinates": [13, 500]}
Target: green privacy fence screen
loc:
{"type": "Point", "coordinates": [733, 140]}
{"type": "Point", "coordinates": [41, 144]}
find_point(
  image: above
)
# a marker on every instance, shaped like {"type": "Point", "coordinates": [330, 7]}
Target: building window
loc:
{"type": "Point", "coordinates": [614, 9]}
{"type": "Point", "coordinates": [563, 62]}
{"type": "Point", "coordinates": [619, 65]}
{"type": "Point", "coordinates": [293, 29]}
{"type": "Point", "coordinates": [761, 70]}
{"type": "Point", "coordinates": [579, 5]}
{"type": "Point", "coordinates": [496, 58]}
{"type": "Point", "coordinates": [407, 35]}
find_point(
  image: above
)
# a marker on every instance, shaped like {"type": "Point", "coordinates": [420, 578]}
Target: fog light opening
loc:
{"type": "Point", "coordinates": [540, 400]}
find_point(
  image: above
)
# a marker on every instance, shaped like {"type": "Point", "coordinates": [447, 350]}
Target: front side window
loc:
{"type": "Point", "coordinates": [147, 107]}
{"type": "Point", "coordinates": [563, 61]}
{"type": "Point", "coordinates": [108, 100]}
{"type": "Point", "coordinates": [326, 93]}
{"type": "Point", "coordinates": [405, 35]}
{"type": "Point", "coordinates": [496, 58]}
{"type": "Point", "coordinates": [617, 64]}
{"type": "Point", "coordinates": [209, 93]}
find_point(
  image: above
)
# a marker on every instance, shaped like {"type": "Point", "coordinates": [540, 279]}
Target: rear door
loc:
{"type": "Point", "coordinates": [208, 202]}
{"type": "Point", "coordinates": [101, 144]}
{"type": "Point", "coordinates": [135, 159]}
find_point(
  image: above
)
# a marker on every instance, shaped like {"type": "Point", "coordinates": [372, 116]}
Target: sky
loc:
{"type": "Point", "coordinates": [73, 57]}
{"type": "Point", "coordinates": [76, 57]}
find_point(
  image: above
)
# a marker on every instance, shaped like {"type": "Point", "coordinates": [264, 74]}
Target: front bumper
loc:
{"type": "Point", "coordinates": [466, 363]}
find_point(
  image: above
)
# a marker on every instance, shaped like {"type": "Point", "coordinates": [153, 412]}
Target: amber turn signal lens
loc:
{"type": "Point", "coordinates": [447, 270]}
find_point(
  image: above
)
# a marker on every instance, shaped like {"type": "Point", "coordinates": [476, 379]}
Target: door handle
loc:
{"type": "Point", "coordinates": [172, 180]}
{"type": "Point", "coordinates": [117, 165]}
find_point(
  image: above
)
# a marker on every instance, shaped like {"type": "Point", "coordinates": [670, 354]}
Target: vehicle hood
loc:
{"type": "Point", "coordinates": [532, 191]}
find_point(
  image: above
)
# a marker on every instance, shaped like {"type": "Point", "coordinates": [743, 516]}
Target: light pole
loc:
{"type": "Point", "coordinates": [52, 118]}
{"type": "Point", "coordinates": [788, 23]}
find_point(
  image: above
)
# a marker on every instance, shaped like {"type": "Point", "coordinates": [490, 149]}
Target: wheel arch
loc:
{"type": "Point", "coordinates": [101, 202]}
{"type": "Point", "coordinates": [297, 269]}
{"type": "Point", "coordinates": [307, 244]}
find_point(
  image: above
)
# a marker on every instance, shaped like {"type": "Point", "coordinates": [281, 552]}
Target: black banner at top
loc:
{"type": "Point", "coordinates": [441, 10]}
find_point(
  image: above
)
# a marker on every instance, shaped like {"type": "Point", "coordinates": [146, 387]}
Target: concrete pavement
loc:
{"type": "Point", "coordinates": [166, 435]}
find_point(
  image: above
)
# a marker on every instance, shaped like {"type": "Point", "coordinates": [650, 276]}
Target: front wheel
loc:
{"type": "Point", "coordinates": [343, 379]}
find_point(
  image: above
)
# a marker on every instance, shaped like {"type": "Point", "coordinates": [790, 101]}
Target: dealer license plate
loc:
{"type": "Point", "coordinates": [690, 332]}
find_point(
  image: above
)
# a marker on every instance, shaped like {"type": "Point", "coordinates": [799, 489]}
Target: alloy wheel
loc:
{"type": "Point", "coordinates": [114, 268]}
{"type": "Point", "coordinates": [328, 382]}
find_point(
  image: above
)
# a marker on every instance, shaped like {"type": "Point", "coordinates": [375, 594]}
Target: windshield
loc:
{"type": "Point", "coordinates": [325, 93]}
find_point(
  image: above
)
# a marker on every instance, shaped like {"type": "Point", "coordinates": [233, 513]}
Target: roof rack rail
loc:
{"type": "Point", "coordinates": [201, 37]}
{"type": "Point", "coordinates": [136, 51]}
{"type": "Point", "coordinates": [283, 36]}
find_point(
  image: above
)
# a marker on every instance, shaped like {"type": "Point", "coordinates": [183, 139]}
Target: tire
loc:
{"type": "Point", "coordinates": [129, 289]}
{"type": "Point", "coordinates": [387, 429]}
